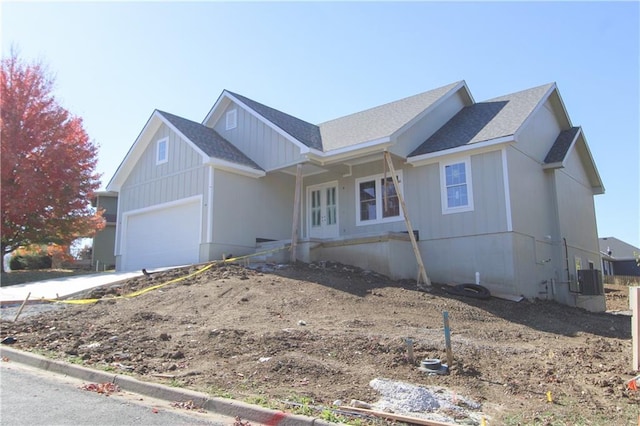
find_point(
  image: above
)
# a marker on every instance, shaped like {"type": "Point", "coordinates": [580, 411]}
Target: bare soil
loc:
{"type": "Point", "coordinates": [317, 333]}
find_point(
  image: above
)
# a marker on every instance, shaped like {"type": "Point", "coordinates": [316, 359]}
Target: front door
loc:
{"type": "Point", "coordinates": [322, 205]}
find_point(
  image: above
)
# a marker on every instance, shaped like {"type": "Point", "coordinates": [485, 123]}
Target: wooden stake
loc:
{"type": "Point", "coordinates": [634, 304]}
{"type": "Point", "coordinates": [22, 307]}
{"type": "Point", "coordinates": [398, 417]}
{"type": "Point", "coordinates": [296, 213]}
{"type": "Point", "coordinates": [447, 339]}
{"type": "Point", "coordinates": [422, 273]}
{"type": "Point", "coordinates": [409, 342]}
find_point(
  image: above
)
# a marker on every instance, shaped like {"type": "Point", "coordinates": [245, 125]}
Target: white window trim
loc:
{"type": "Point", "coordinates": [443, 186]}
{"type": "Point", "coordinates": [231, 119]}
{"type": "Point", "coordinates": [166, 151]}
{"type": "Point", "coordinates": [377, 178]}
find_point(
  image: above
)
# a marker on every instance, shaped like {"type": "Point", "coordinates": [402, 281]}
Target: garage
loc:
{"type": "Point", "coordinates": [162, 236]}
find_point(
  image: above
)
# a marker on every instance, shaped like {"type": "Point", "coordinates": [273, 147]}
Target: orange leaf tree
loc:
{"type": "Point", "coordinates": [48, 162]}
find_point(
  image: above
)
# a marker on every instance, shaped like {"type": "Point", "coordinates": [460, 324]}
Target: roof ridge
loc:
{"type": "Point", "coordinates": [387, 104]}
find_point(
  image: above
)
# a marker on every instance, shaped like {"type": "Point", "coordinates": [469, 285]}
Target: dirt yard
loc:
{"type": "Point", "coordinates": [314, 334]}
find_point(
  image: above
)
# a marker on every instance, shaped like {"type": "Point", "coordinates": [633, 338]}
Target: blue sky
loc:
{"type": "Point", "coordinates": [115, 62]}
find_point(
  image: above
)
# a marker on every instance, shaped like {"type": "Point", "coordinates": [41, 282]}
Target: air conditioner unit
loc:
{"type": "Point", "coordinates": [590, 282]}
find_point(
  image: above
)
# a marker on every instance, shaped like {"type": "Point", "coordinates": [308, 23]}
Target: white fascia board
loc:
{"type": "Point", "coordinates": [217, 108]}
{"type": "Point", "coordinates": [599, 187]}
{"type": "Point", "coordinates": [352, 151]}
{"type": "Point", "coordinates": [303, 148]}
{"type": "Point", "coordinates": [535, 110]}
{"type": "Point", "coordinates": [228, 166]}
{"type": "Point", "coordinates": [195, 147]}
{"type": "Point", "coordinates": [433, 106]}
{"type": "Point", "coordinates": [475, 148]}
{"type": "Point", "coordinates": [135, 152]}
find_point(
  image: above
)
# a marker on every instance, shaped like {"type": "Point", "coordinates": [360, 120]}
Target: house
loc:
{"type": "Point", "coordinates": [618, 257]}
{"type": "Point", "coordinates": [102, 253]}
{"type": "Point", "coordinates": [501, 190]}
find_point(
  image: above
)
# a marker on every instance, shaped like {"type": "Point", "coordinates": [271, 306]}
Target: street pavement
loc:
{"type": "Point", "coordinates": [30, 396]}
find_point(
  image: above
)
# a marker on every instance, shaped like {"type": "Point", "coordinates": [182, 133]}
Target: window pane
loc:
{"type": "Point", "coordinates": [456, 183]}
{"type": "Point", "coordinates": [390, 207]}
{"type": "Point", "coordinates": [368, 200]}
{"type": "Point", "coordinates": [315, 208]}
{"type": "Point", "coordinates": [455, 174]}
{"type": "Point", "coordinates": [457, 196]}
{"type": "Point", "coordinates": [331, 206]}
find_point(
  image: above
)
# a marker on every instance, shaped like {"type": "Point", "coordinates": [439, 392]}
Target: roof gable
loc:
{"type": "Point", "coordinates": [494, 119]}
{"type": "Point", "coordinates": [209, 141]}
{"type": "Point", "coordinates": [382, 122]}
{"type": "Point", "coordinates": [573, 139]}
{"type": "Point", "coordinates": [302, 131]}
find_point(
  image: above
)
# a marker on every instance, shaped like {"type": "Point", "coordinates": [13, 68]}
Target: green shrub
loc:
{"type": "Point", "coordinates": [30, 262]}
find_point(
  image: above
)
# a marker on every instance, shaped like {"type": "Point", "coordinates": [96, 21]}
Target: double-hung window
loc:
{"type": "Point", "coordinates": [377, 200]}
{"type": "Point", "coordinates": [457, 195]}
{"type": "Point", "coordinates": [162, 151]}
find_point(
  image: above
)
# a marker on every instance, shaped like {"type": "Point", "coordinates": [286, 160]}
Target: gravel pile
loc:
{"type": "Point", "coordinates": [433, 403]}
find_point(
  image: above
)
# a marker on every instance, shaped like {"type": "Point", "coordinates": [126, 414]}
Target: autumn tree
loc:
{"type": "Point", "coordinates": [48, 162]}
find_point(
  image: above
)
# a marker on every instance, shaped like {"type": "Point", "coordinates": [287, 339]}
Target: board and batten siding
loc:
{"type": "Point", "coordinates": [150, 184]}
{"type": "Point", "coordinates": [268, 148]}
{"type": "Point", "coordinates": [576, 209]}
{"type": "Point", "coordinates": [182, 176]}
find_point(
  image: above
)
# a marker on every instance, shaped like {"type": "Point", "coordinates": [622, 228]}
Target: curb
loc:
{"type": "Point", "coordinates": [225, 407]}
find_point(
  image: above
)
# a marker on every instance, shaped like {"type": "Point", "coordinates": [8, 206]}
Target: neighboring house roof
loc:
{"type": "Point", "coordinates": [561, 146]}
{"type": "Point", "coordinates": [382, 121]}
{"type": "Point", "coordinates": [209, 141]}
{"type": "Point", "coordinates": [619, 249]}
{"type": "Point", "coordinates": [307, 133]}
{"type": "Point", "coordinates": [485, 121]}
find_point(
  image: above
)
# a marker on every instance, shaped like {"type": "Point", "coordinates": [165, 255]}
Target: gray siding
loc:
{"type": "Point", "coordinates": [268, 148]}
{"type": "Point", "coordinates": [247, 208]}
{"type": "Point", "coordinates": [427, 126]}
{"type": "Point", "coordinates": [149, 184]}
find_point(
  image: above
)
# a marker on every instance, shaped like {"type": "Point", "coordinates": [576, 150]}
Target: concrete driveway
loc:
{"type": "Point", "coordinates": [60, 287]}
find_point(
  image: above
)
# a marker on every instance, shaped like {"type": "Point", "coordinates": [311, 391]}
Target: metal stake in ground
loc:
{"type": "Point", "coordinates": [447, 338]}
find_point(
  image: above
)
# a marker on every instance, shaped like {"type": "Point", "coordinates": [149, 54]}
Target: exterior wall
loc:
{"type": "Point", "coordinates": [149, 184]}
{"type": "Point", "coordinates": [102, 256]}
{"type": "Point", "coordinates": [104, 242]}
{"type": "Point", "coordinates": [425, 128]}
{"type": "Point", "coordinates": [269, 149]}
{"type": "Point", "coordinates": [577, 215]}
{"type": "Point", "coordinates": [247, 208]}
{"type": "Point", "coordinates": [453, 246]}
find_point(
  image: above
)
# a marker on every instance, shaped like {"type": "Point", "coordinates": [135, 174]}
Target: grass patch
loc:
{"type": "Point", "coordinates": [22, 277]}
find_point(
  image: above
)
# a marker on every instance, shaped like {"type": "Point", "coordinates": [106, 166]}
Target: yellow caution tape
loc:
{"type": "Point", "coordinates": [155, 287]}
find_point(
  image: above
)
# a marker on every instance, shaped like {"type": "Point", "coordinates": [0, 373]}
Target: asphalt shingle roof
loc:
{"type": "Point", "coordinates": [496, 118]}
{"type": "Point", "coordinates": [379, 122]}
{"type": "Point", "coordinates": [619, 249]}
{"type": "Point", "coordinates": [561, 146]}
{"type": "Point", "coordinates": [209, 141]}
{"type": "Point", "coordinates": [307, 133]}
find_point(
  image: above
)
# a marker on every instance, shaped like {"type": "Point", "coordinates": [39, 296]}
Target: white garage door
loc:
{"type": "Point", "coordinates": [164, 237]}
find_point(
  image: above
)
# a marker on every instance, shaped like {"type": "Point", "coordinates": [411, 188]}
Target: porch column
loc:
{"type": "Point", "coordinates": [296, 214]}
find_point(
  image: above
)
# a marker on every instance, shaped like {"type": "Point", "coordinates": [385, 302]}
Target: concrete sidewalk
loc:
{"type": "Point", "coordinates": [61, 287]}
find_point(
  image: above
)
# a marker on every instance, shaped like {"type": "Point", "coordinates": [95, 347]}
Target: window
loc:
{"type": "Point", "coordinates": [457, 195]}
{"type": "Point", "coordinates": [377, 200]}
{"type": "Point", "coordinates": [162, 151]}
{"type": "Point", "coordinates": [231, 119]}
